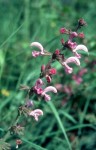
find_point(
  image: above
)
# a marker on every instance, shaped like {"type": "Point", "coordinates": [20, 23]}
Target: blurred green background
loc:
{"type": "Point", "coordinates": [72, 115]}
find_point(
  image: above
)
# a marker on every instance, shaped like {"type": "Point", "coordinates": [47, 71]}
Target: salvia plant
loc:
{"type": "Point", "coordinates": [39, 89]}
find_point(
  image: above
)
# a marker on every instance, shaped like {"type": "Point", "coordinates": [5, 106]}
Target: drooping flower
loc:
{"type": "Point", "coordinates": [39, 46]}
{"type": "Point", "coordinates": [36, 113]}
{"type": "Point", "coordinates": [70, 60]}
{"type": "Point", "coordinates": [79, 47]}
{"type": "Point", "coordinates": [48, 89]}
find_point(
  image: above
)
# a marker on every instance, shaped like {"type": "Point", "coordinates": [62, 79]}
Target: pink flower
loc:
{"type": "Point", "coordinates": [70, 60]}
{"type": "Point", "coordinates": [79, 47]}
{"type": "Point", "coordinates": [36, 113]}
{"type": "Point", "coordinates": [73, 35]}
{"type": "Point", "coordinates": [71, 45]}
{"type": "Point", "coordinates": [35, 53]}
{"type": "Point", "coordinates": [63, 30]}
{"type": "Point", "coordinates": [38, 86]}
{"type": "Point", "coordinates": [48, 89]}
{"type": "Point", "coordinates": [40, 47]}
{"type": "Point", "coordinates": [42, 92]}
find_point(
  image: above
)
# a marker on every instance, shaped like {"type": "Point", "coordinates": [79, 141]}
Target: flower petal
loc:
{"type": "Point", "coordinates": [39, 83]}
{"type": "Point", "coordinates": [36, 53]}
{"type": "Point", "coordinates": [49, 89]}
{"type": "Point", "coordinates": [73, 60]}
{"type": "Point", "coordinates": [68, 69]}
{"type": "Point", "coordinates": [81, 47]}
{"type": "Point", "coordinates": [38, 45]}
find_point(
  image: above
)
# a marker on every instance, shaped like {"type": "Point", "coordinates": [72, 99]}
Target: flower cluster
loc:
{"type": "Point", "coordinates": [47, 72]}
{"type": "Point", "coordinates": [39, 91]}
{"type": "Point", "coordinates": [57, 55]}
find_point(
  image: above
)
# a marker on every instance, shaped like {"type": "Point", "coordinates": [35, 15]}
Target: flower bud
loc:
{"type": "Point", "coordinates": [63, 30]}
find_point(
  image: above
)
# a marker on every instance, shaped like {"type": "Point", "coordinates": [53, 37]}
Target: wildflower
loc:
{"type": "Point", "coordinates": [42, 92]}
{"type": "Point", "coordinates": [73, 35]}
{"type": "Point", "coordinates": [40, 47]}
{"type": "Point", "coordinates": [70, 60]}
{"type": "Point", "coordinates": [36, 113]}
{"type": "Point", "coordinates": [79, 47]}
{"type": "Point", "coordinates": [48, 89]}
